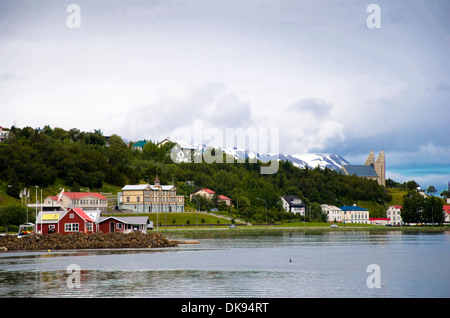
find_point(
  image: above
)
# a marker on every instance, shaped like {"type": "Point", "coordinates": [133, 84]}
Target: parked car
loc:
{"type": "Point", "coordinates": [334, 226]}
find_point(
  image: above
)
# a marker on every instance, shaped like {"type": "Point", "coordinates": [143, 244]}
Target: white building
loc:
{"type": "Point", "coordinates": [355, 214]}
{"type": "Point", "coordinates": [293, 204]}
{"type": "Point", "coordinates": [334, 214]}
{"type": "Point", "coordinates": [393, 213]}
{"type": "Point", "coordinates": [3, 134]}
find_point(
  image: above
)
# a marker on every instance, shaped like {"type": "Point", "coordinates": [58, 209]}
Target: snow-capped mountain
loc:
{"type": "Point", "coordinates": [301, 160]}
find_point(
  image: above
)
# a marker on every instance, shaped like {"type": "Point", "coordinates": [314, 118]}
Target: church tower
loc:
{"type": "Point", "coordinates": [370, 159]}
{"type": "Point", "coordinates": [380, 168]}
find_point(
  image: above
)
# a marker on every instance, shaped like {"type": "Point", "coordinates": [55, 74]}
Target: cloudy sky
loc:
{"type": "Point", "coordinates": [312, 69]}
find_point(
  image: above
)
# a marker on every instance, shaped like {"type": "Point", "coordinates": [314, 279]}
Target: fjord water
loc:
{"type": "Point", "coordinates": [295, 264]}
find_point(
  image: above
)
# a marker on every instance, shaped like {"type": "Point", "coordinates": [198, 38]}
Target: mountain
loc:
{"type": "Point", "coordinates": [301, 160]}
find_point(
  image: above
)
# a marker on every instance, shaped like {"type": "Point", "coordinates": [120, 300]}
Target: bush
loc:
{"type": "Point", "coordinates": [14, 215]}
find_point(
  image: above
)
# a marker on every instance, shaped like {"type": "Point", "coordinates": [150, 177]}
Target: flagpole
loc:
{"type": "Point", "coordinates": [42, 230]}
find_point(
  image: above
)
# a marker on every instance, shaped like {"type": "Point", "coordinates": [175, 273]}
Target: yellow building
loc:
{"type": "Point", "coordinates": [150, 198]}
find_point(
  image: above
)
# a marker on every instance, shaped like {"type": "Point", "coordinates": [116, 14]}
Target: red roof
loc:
{"type": "Point", "coordinates": [222, 197]}
{"type": "Point", "coordinates": [81, 213]}
{"type": "Point", "coordinates": [397, 206]}
{"type": "Point", "coordinates": [446, 208]}
{"type": "Point", "coordinates": [379, 219]}
{"type": "Point", "coordinates": [208, 191]}
{"type": "Point", "coordinates": [80, 195]}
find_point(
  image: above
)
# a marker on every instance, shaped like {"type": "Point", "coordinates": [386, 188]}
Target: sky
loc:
{"type": "Point", "coordinates": [314, 70]}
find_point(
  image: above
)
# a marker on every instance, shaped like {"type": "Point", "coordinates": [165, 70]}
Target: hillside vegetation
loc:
{"type": "Point", "coordinates": [53, 158]}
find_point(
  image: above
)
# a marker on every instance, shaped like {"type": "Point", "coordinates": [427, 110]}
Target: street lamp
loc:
{"type": "Point", "coordinates": [266, 208]}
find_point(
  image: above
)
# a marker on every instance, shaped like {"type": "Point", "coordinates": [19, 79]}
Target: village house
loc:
{"type": "Point", "coordinates": [225, 199]}
{"type": "Point", "coordinates": [75, 220]}
{"type": "Point", "coordinates": [446, 209]}
{"type": "Point", "coordinates": [209, 194]}
{"type": "Point", "coordinates": [393, 213]}
{"type": "Point", "coordinates": [139, 145]}
{"type": "Point", "coordinates": [124, 224]}
{"type": "Point", "coordinates": [334, 214]}
{"type": "Point", "coordinates": [293, 204]}
{"type": "Point", "coordinates": [83, 200]}
{"type": "Point", "coordinates": [64, 222]}
{"type": "Point", "coordinates": [150, 198]}
{"type": "Point", "coordinates": [355, 214]}
{"type": "Point", "coordinates": [3, 134]}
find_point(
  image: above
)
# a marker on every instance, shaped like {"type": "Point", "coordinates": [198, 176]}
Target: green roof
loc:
{"type": "Point", "coordinates": [141, 143]}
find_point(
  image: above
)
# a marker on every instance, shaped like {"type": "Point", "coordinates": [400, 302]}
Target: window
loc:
{"type": "Point", "coordinates": [71, 215]}
{"type": "Point", "coordinates": [128, 199]}
{"type": "Point", "coordinates": [71, 227]}
{"type": "Point", "coordinates": [89, 226]}
{"type": "Point", "coordinates": [119, 226]}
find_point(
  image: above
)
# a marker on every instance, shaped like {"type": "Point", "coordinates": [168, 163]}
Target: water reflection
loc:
{"type": "Point", "coordinates": [331, 264]}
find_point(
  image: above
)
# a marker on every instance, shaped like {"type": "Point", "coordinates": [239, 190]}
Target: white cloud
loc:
{"type": "Point", "coordinates": [141, 69]}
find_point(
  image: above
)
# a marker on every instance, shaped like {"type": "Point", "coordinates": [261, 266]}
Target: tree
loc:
{"type": "Point", "coordinates": [417, 209]}
{"type": "Point", "coordinates": [13, 215]}
{"type": "Point", "coordinates": [431, 190]}
{"type": "Point", "coordinates": [433, 211]}
{"type": "Point", "coordinates": [412, 208]}
{"type": "Point", "coordinates": [412, 185]}
{"type": "Point", "coordinates": [316, 213]}
{"type": "Point", "coordinates": [445, 194]}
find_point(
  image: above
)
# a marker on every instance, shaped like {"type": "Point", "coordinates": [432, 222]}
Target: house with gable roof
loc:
{"type": "Point", "coordinates": [124, 224]}
{"type": "Point", "coordinates": [83, 200]}
{"type": "Point", "coordinates": [73, 220]}
{"type": "Point", "coordinates": [293, 204]}
{"type": "Point", "coordinates": [394, 214]}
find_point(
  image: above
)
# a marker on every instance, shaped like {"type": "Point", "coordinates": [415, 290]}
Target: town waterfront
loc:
{"type": "Point", "coordinates": [225, 264]}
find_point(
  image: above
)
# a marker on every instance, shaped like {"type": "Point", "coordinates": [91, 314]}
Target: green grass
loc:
{"type": "Point", "coordinates": [180, 218]}
{"type": "Point", "coordinates": [397, 196]}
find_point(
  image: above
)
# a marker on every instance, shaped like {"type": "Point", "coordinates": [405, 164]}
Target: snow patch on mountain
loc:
{"type": "Point", "coordinates": [300, 160]}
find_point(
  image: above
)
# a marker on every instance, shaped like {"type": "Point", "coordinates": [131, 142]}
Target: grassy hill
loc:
{"type": "Point", "coordinates": [53, 158]}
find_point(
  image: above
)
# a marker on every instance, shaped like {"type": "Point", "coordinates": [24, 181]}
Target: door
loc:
{"type": "Point", "coordinates": [111, 227]}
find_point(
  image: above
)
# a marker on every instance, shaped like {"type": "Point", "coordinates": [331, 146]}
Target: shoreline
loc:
{"type": "Point", "coordinates": [79, 241]}
{"type": "Point", "coordinates": [277, 228]}
{"type": "Point", "coordinates": [158, 239]}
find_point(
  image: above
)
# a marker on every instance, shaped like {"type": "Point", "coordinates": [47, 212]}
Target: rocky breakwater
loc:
{"type": "Point", "coordinates": [84, 241]}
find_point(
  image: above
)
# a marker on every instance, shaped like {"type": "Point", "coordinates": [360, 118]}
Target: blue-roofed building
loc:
{"type": "Point", "coordinates": [355, 214]}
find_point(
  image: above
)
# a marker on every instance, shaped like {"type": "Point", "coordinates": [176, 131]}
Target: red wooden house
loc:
{"type": "Point", "coordinates": [124, 224]}
{"type": "Point", "coordinates": [64, 222]}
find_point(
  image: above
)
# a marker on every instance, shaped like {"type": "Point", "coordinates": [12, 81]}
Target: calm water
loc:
{"type": "Point", "coordinates": [332, 264]}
